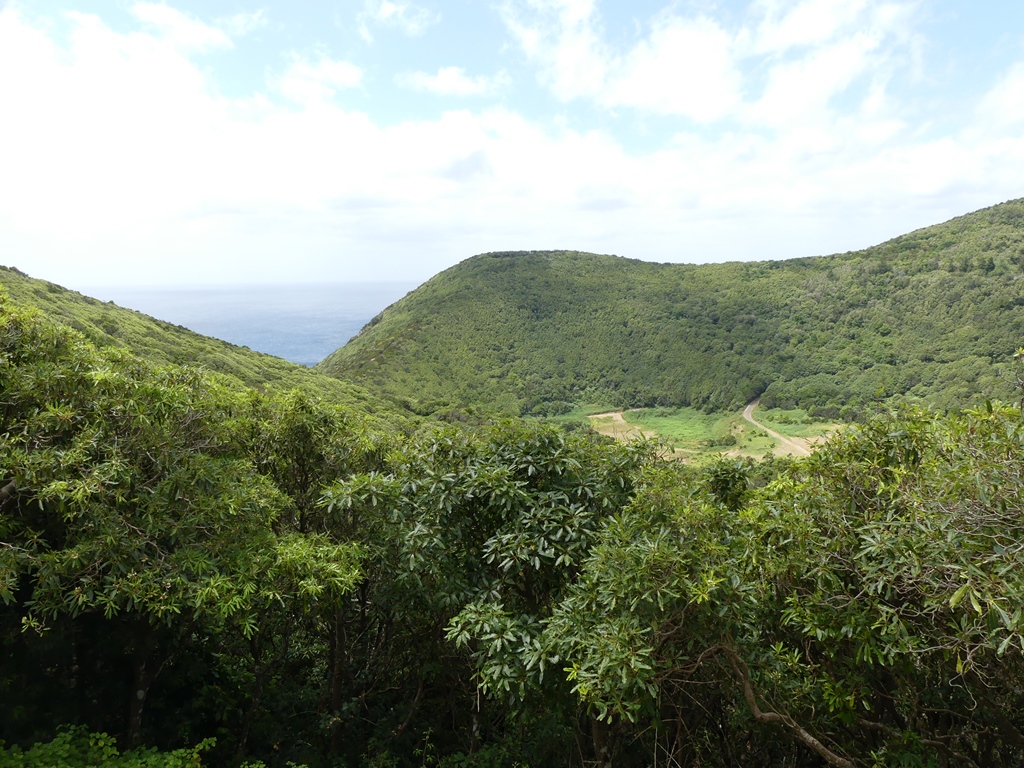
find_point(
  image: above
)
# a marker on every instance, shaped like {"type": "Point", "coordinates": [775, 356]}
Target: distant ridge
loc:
{"type": "Point", "coordinates": [108, 325]}
{"type": "Point", "coordinates": [931, 316]}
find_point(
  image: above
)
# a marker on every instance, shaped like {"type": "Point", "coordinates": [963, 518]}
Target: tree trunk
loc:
{"type": "Point", "coordinates": [339, 649]}
{"type": "Point", "coordinates": [474, 736]}
{"type": "Point", "coordinates": [602, 743]}
{"type": "Point", "coordinates": [146, 666]}
{"type": "Point", "coordinates": [142, 678]}
{"type": "Point", "coordinates": [259, 674]}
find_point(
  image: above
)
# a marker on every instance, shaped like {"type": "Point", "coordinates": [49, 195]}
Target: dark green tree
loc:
{"type": "Point", "coordinates": [129, 504]}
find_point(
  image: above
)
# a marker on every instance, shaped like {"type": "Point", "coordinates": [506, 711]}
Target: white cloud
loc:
{"type": "Point", "coordinates": [407, 17]}
{"type": "Point", "coordinates": [800, 91]}
{"type": "Point", "coordinates": [685, 67]}
{"type": "Point", "coordinates": [453, 81]}
{"type": "Point", "coordinates": [180, 29]}
{"type": "Point", "coordinates": [122, 162]}
{"type": "Point", "coordinates": [560, 36]}
{"type": "Point", "coordinates": [241, 24]}
{"type": "Point", "coordinates": [785, 64]}
{"type": "Point", "coordinates": [1003, 106]}
{"type": "Point", "coordinates": [819, 49]}
{"type": "Point", "coordinates": [785, 26]}
{"type": "Point", "coordinates": [311, 82]}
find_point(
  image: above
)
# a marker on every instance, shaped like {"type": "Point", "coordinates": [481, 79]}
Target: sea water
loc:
{"type": "Point", "coordinates": [301, 323]}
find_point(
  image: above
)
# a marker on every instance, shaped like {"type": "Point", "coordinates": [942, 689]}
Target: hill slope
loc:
{"type": "Point", "coordinates": [931, 315]}
{"type": "Point", "coordinates": [108, 325]}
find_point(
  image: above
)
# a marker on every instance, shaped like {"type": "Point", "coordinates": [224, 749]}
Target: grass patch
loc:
{"type": "Point", "coordinates": [794, 422]}
{"type": "Point", "coordinates": [703, 435]}
{"type": "Point", "coordinates": [684, 427]}
{"type": "Point", "coordinates": [579, 413]}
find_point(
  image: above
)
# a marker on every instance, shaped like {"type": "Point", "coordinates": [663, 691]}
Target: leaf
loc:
{"type": "Point", "coordinates": [1003, 645]}
{"type": "Point", "coordinates": [958, 596]}
{"type": "Point", "coordinates": [974, 602]}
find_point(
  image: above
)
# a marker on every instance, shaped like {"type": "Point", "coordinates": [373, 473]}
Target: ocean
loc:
{"type": "Point", "coordinates": [301, 323]}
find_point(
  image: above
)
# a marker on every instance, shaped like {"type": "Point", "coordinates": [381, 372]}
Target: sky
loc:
{"type": "Point", "coordinates": [260, 141]}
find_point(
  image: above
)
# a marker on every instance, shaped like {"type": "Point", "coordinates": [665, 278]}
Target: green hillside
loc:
{"type": "Point", "coordinates": [197, 573]}
{"type": "Point", "coordinates": [107, 325]}
{"type": "Point", "coordinates": [931, 316]}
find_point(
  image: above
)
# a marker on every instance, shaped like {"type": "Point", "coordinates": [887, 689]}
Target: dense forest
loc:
{"type": "Point", "coordinates": [926, 318]}
{"type": "Point", "coordinates": [210, 557]}
{"type": "Point", "coordinates": [107, 325]}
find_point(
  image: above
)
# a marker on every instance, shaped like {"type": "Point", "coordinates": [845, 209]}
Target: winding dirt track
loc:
{"type": "Point", "coordinates": [748, 414]}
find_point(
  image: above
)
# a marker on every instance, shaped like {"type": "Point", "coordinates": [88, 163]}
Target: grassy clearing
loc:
{"type": "Point", "coordinates": [753, 442]}
{"type": "Point", "coordinates": [695, 435]}
{"type": "Point", "coordinates": [683, 427]}
{"type": "Point", "coordinates": [794, 423]}
{"type": "Point", "coordinates": [700, 434]}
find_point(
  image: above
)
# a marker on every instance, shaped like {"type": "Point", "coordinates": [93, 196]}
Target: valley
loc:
{"type": "Point", "coordinates": [445, 547]}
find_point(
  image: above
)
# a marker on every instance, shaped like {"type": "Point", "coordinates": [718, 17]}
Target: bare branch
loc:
{"type": "Point", "coordinates": [893, 733]}
{"type": "Point", "coordinates": [743, 676]}
{"type": "Point", "coordinates": [412, 711]}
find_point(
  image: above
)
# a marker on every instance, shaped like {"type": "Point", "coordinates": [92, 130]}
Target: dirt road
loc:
{"type": "Point", "coordinates": [792, 445]}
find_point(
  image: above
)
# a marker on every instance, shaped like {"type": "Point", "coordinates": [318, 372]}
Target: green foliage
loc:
{"type": "Point", "coordinates": [479, 534]}
{"type": "Point", "coordinates": [267, 568]}
{"type": "Point", "coordinates": [133, 514]}
{"type": "Point", "coordinates": [133, 495]}
{"type": "Point", "coordinates": [107, 326]}
{"type": "Point", "coordinates": [493, 525]}
{"type": "Point", "coordinates": [75, 748]}
{"type": "Point", "coordinates": [727, 483]}
{"type": "Point", "coordinates": [918, 318]}
{"type": "Point", "coordinates": [183, 558]}
{"type": "Point", "coordinates": [867, 600]}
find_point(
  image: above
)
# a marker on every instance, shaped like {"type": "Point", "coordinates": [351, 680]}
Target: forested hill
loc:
{"type": "Point", "coordinates": [107, 325]}
{"type": "Point", "coordinates": [202, 574]}
{"type": "Point", "coordinates": [930, 316]}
